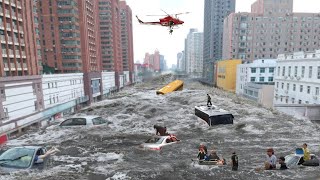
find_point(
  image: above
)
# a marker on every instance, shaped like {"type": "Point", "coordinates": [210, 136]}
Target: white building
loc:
{"type": "Point", "coordinates": [297, 78]}
{"type": "Point", "coordinates": [179, 60]}
{"type": "Point", "coordinates": [259, 71]}
{"type": "Point", "coordinates": [194, 53]}
{"type": "Point", "coordinates": [108, 83]}
{"type": "Point", "coordinates": [61, 88]}
{"type": "Point", "coordinates": [20, 99]}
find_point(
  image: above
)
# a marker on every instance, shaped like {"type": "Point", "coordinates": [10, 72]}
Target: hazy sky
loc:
{"type": "Point", "coordinates": [148, 38]}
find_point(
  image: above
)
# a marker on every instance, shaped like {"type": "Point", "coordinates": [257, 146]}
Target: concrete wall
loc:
{"type": "Point", "coordinates": [266, 95]}
{"type": "Point", "coordinates": [311, 112]}
{"type": "Point", "coordinates": [126, 76]}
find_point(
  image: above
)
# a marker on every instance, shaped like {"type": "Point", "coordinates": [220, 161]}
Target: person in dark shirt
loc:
{"type": "Point", "coordinates": [213, 156]}
{"type": "Point", "coordinates": [162, 131]}
{"type": "Point", "coordinates": [209, 100]}
{"type": "Point", "coordinates": [282, 163]}
{"type": "Point", "coordinates": [201, 155]}
{"type": "Point", "coordinates": [234, 161]}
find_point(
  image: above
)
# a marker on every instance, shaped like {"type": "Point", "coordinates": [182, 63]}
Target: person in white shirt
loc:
{"type": "Point", "coordinates": [271, 160]}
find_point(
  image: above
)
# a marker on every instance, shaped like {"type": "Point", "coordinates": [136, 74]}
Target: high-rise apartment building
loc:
{"type": "Point", "coordinates": [214, 13]}
{"type": "Point", "coordinates": [127, 39]}
{"type": "Point", "coordinates": [18, 36]}
{"type": "Point", "coordinates": [109, 16]}
{"type": "Point", "coordinates": [60, 36]}
{"type": "Point", "coordinates": [180, 60]}
{"type": "Point", "coordinates": [71, 40]}
{"type": "Point", "coordinates": [194, 53]}
{"type": "Point", "coordinates": [153, 60]}
{"type": "Point", "coordinates": [270, 29]}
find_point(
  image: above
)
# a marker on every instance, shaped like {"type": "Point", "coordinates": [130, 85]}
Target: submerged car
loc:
{"type": "Point", "coordinates": [156, 143]}
{"type": "Point", "coordinates": [21, 158]}
{"type": "Point", "coordinates": [295, 160]}
{"type": "Point", "coordinates": [84, 121]}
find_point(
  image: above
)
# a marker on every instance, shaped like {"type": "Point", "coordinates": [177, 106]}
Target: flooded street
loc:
{"type": "Point", "coordinates": [111, 151]}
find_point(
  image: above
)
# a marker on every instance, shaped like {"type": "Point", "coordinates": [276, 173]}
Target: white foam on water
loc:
{"type": "Point", "coordinates": [119, 176]}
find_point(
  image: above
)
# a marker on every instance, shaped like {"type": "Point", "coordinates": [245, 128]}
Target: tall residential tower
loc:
{"type": "Point", "coordinates": [214, 13]}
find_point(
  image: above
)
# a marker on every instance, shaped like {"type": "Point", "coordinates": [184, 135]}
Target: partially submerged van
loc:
{"type": "Point", "coordinates": [213, 115]}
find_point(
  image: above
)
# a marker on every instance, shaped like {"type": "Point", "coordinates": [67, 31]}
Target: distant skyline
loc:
{"type": "Point", "coordinates": [148, 38]}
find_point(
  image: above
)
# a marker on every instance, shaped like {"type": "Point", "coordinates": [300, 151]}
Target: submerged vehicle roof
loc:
{"type": "Point", "coordinates": [212, 111]}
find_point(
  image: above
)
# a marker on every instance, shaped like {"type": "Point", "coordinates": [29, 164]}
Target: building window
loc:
{"type": "Point", "coordinates": [262, 70]}
{"type": "Point", "coordinates": [50, 102]}
{"type": "Point", "coordinates": [283, 70]}
{"type": "Point", "coordinates": [288, 85]}
{"type": "Point", "coordinates": [35, 105]}
{"type": "Point", "coordinates": [253, 70]}
{"type": "Point", "coordinates": [261, 79]}
{"type": "Point", "coordinates": [271, 70]}
{"type": "Point", "coordinates": [287, 100]}
{"type": "Point", "coordinates": [253, 79]}
{"type": "Point", "coordinates": [318, 72]}
{"type": "Point", "coordinates": [299, 101]}
{"type": "Point", "coordinates": [289, 73]}
{"type": "Point", "coordinates": [48, 85]}
{"type": "Point", "coordinates": [302, 71]}
{"type": "Point", "coordinates": [270, 79]}
{"type": "Point", "coordinates": [278, 71]}
{"type": "Point", "coordinates": [277, 84]}
{"type": "Point", "coordinates": [317, 91]}
{"type": "Point", "coordinates": [282, 85]}
{"type": "Point", "coordinates": [295, 71]}
{"type": "Point", "coordinates": [3, 94]}
{"type": "Point", "coordinates": [301, 88]}
{"type": "Point", "coordinates": [308, 89]}
{"type": "Point", "coordinates": [294, 87]}
{"type": "Point", "coordinates": [310, 71]}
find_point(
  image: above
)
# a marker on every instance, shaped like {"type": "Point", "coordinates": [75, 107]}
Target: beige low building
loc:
{"type": "Point", "coordinates": [261, 93]}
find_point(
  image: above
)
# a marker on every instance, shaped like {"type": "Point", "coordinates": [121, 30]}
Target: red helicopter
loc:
{"type": "Point", "coordinates": [168, 21]}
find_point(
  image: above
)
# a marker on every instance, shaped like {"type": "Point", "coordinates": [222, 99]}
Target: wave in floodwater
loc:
{"type": "Point", "coordinates": [111, 152]}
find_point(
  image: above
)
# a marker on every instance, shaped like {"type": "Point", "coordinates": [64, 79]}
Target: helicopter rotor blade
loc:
{"type": "Point", "coordinates": [182, 13]}
{"type": "Point", "coordinates": [155, 15]}
{"type": "Point", "coordinates": [165, 12]}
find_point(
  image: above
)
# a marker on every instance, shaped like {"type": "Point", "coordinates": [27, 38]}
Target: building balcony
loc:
{"type": "Point", "coordinates": [19, 4]}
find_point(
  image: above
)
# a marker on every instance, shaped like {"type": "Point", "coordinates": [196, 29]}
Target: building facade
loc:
{"type": "Point", "coordinates": [226, 74]}
{"type": "Point", "coordinates": [180, 61]}
{"type": "Point", "coordinates": [110, 32]}
{"type": "Point", "coordinates": [270, 29]}
{"type": "Point", "coordinates": [61, 88]}
{"type": "Point", "coordinates": [18, 37]}
{"type": "Point", "coordinates": [127, 41]}
{"type": "Point", "coordinates": [71, 40]}
{"type": "Point", "coordinates": [259, 71]}
{"type": "Point", "coordinates": [260, 93]}
{"type": "Point", "coordinates": [194, 53]}
{"type": "Point", "coordinates": [60, 36]}
{"type": "Point", "coordinates": [297, 78]}
{"type": "Point", "coordinates": [153, 60]}
{"type": "Point", "coordinates": [214, 13]}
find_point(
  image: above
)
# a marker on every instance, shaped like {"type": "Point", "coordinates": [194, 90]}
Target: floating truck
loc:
{"type": "Point", "coordinates": [176, 85]}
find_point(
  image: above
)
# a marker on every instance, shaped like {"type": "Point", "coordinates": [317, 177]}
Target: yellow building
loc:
{"type": "Point", "coordinates": [227, 73]}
